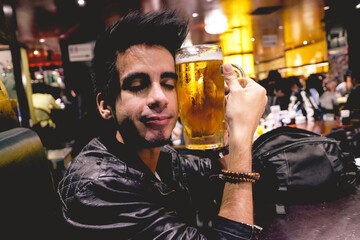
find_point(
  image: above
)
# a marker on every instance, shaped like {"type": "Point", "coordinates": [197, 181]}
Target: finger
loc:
{"type": "Point", "coordinates": [226, 101]}
{"type": "Point", "coordinates": [230, 76]}
{"type": "Point", "coordinates": [240, 74]}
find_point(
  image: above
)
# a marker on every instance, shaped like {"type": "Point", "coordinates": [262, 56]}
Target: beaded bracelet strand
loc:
{"type": "Point", "coordinates": [252, 175]}
{"type": "Point", "coordinates": [237, 177]}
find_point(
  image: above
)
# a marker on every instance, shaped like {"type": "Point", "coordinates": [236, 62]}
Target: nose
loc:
{"type": "Point", "coordinates": [157, 98]}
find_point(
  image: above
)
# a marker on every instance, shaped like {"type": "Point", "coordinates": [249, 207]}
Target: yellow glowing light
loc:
{"type": "Point", "coordinates": [236, 42]}
{"type": "Point", "coordinates": [313, 53]}
{"type": "Point", "coordinates": [245, 61]}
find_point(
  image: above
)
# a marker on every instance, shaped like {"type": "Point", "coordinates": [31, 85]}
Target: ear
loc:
{"type": "Point", "coordinates": [104, 108]}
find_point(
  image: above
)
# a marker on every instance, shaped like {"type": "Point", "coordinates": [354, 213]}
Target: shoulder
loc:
{"type": "Point", "coordinates": [95, 167]}
{"type": "Point", "coordinates": [341, 86]}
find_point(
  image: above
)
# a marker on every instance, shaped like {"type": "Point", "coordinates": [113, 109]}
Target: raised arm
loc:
{"type": "Point", "coordinates": [244, 106]}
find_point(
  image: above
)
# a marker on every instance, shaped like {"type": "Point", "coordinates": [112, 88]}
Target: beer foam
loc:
{"type": "Point", "coordinates": [183, 58]}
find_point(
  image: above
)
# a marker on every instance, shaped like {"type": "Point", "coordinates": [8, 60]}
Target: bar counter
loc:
{"type": "Point", "coordinates": [334, 220]}
{"type": "Point", "coordinates": [321, 127]}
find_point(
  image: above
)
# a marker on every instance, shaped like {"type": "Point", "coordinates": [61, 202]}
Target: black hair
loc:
{"type": "Point", "coordinates": [283, 85]}
{"type": "Point", "coordinates": [274, 75]}
{"type": "Point", "coordinates": [355, 75]}
{"type": "Point", "coordinates": [348, 73]}
{"type": "Point", "coordinates": [165, 28]}
{"type": "Point", "coordinates": [294, 80]}
{"type": "Point", "coordinates": [315, 81]}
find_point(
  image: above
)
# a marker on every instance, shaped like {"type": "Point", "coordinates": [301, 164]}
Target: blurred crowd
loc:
{"type": "Point", "coordinates": [317, 97]}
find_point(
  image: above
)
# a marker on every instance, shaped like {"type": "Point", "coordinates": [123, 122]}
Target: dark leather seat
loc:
{"type": "Point", "coordinates": [28, 201]}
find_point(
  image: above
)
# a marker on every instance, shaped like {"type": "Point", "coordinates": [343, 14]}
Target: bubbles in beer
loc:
{"type": "Point", "coordinates": [201, 99]}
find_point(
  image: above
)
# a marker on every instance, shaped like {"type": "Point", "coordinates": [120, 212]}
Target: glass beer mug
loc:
{"type": "Point", "coordinates": [201, 95]}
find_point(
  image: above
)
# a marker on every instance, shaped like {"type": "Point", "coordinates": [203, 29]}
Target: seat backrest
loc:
{"type": "Point", "coordinates": [28, 201]}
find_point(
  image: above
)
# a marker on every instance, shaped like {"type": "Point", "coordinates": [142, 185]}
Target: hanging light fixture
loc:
{"type": "Point", "coordinates": [216, 22]}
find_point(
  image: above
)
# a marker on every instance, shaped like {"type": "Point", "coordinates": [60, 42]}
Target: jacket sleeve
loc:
{"type": "Point", "coordinates": [124, 207]}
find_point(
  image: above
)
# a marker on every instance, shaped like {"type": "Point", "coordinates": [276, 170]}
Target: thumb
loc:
{"type": "Point", "coordinates": [230, 76]}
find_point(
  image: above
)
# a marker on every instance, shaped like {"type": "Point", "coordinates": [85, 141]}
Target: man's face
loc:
{"type": "Point", "coordinates": [146, 108]}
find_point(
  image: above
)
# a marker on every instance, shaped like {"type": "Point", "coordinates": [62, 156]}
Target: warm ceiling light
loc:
{"type": "Point", "coordinates": [194, 15]}
{"type": "Point", "coordinates": [36, 52]}
{"type": "Point", "coordinates": [7, 9]}
{"type": "Point", "coordinates": [326, 8]}
{"type": "Point", "coordinates": [81, 3]}
{"type": "Point", "coordinates": [305, 42]}
{"type": "Point", "coordinates": [215, 22]}
{"type": "Point", "coordinates": [252, 39]}
{"type": "Point", "coordinates": [42, 40]}
{"type": "Point", "coordinates": [357, 6]}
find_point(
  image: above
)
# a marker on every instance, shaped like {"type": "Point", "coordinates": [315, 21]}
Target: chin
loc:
{"type": "Point", "coordinates": [140, 137]}
{"type": "Point", "coordinates": [157, 141]}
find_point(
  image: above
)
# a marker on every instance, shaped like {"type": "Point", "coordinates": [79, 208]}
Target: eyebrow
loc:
{"type": "Point", "coordinates": [169, 75]}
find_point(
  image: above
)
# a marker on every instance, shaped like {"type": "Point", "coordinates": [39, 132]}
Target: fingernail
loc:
{"type": "Point", "coordinates": [227, 68]}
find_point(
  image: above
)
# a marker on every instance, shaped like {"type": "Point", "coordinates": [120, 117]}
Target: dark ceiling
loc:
{"type": "Point", "coordinates": [56, 19]}
{"type": "Point", "coordinates": [50, 19]}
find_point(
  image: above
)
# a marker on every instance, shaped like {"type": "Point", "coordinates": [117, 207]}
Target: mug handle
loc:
{"type": "Point", "coordinates": [238, 70]}
{"type": "Point", "coordinates": [239, 73]}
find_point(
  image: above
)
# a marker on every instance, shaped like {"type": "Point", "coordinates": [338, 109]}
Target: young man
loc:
{"type": "Point", "coordinates": [129, 183]}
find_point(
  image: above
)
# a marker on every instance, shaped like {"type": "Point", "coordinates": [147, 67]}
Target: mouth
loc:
{"type": "Point", "coordinates": [156, 120]}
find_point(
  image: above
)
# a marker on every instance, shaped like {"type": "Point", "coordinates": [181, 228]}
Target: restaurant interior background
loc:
{"type": "Point", "coordinates": [51, 41]}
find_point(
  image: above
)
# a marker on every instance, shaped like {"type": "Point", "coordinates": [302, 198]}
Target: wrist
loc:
{"type": "Point", "coordinates": [241, 135]}
{"type": "Point", "coordinates": [239, 159]}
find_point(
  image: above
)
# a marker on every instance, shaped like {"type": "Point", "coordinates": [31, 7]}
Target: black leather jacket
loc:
{"type": "Point", "coordinates": [108, 191]}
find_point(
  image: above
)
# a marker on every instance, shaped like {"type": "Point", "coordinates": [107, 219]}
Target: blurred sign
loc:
{"type": "Point", "coordinates": [269, 40]}
{"type": "Point", "coordinates": [81, 52]}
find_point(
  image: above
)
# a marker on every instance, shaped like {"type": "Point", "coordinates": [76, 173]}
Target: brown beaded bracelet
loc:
{"type": "Point", "coordinates": [252, 175]}
{"type": "Point", "coordinates": [237, 177]}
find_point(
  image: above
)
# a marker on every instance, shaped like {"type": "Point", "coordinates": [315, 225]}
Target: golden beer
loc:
{"type": "Point", "coordinates": [201, 92]}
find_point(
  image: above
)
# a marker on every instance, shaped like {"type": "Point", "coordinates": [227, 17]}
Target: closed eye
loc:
{"type": "Point", "coordinates": [136, 82]}
{"type": "Point", "coordinates": [138, 85]}
{"type": "Point", "coordinates": [169, 83]}
{"type": "Point", "coordinates": [168, 80]}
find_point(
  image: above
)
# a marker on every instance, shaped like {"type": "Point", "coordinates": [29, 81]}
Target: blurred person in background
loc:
{"type": "Point", "coordinates": [353, 101]}
{"type": "Point", "coordinates": [282, 93]}
{"type": "Point", "coordinates": [269, 84]}
{"type": "Point", "coordinates": [328, 100]}
{"type": "Point", "coordinates": [306, 101]}
{"type": "Point", "coordinates": [315, 86]}
{"type": "Point", "coordinates": [295, 84]}
{"type": "Point", "coordinates": [270, 81]}
{"type": "Point", "coordinates": [344, 88]}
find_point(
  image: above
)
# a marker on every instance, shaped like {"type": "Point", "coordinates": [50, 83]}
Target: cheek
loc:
{"type": "Point", "coordinates": [173, 101]}
{"type": "Point", "coordinates": [126, 110]}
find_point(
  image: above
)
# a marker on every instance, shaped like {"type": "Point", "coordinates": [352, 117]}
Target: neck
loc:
{"type": "Point", "coordinates": [150, 157]}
